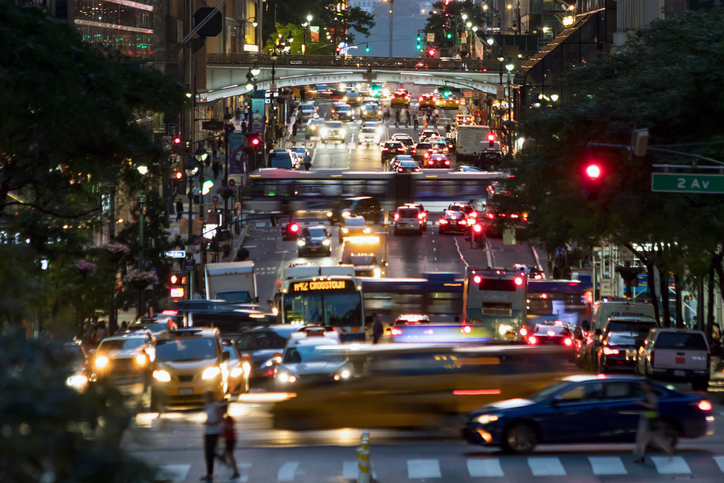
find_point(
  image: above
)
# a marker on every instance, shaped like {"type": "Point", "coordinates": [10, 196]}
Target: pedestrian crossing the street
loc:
{"type": "Point", "coordinates": [484, 467]}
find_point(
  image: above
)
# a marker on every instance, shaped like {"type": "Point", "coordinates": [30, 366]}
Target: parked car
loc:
{"type": "Point", "coordinates": [586, 409]}
{"type": "Point", "coordinates": [676, 355]}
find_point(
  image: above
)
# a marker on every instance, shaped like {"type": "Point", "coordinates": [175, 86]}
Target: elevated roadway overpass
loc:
{"type": "Point", "coordinates": [226, 73]}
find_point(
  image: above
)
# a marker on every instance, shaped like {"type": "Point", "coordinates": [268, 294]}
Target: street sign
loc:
{"type": "Point", "coordinates": [500, 92]}
{"type": "Point", "coordinates": [212, 125]}
{"type": "Point", "coordinates": [189, 265]}
{"type": "Point", "coordinates": [273, 88]}
{"type": "Point", "coordinates": [175, 254]}
{"type": "Point", "coordinates": [687, 183]}
{"type": "Point", "coordinates": [430, 37]}
{"type": "Point", "coordinates": [606, 287]}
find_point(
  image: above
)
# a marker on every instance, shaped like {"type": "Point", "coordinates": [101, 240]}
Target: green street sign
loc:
{"type": "Point", "coordinates": [687, 183]}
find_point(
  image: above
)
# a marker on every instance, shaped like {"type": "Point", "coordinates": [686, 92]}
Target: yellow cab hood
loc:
{"type": "Point", "coordinates": [186, 366]}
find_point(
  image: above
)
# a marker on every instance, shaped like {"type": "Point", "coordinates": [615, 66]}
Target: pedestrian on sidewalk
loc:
{"type": "Point", "coordinates": [226, 249]}
{"type": "Point", "coordinates": [179, 209]}
{"type": "Point", "coordinates": [229, 442]}
{"type": "Point", "coordinates": [216, 168]}
{"type": "Point", "coordinates": [415, 122]}
{"type": "Point", "coordinates": [407, 117]}
{"type": "Point", "coordinates": [649, 429]}
{"type": "Point", "coordinates": [294, 131]}
{"type": "Point", "coordinates": [212, 430]}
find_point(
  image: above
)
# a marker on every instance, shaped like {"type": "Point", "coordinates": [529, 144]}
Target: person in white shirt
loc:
{"type": "Point", "coordinates": [212, 430]}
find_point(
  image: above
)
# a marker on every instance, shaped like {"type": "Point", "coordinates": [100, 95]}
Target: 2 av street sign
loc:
{"type": "Point", "coordinates": [687, 183]}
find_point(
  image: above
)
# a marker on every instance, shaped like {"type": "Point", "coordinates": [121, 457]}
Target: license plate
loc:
{"type": "Point", "coordinates": [402, 224]}
{"type": "Point", "coordinates": [510, 335]}
{"type": "Point", "coordinates": [630, 355]}
{"type": "Point", "coordinates": [680, 373]}
{"type": "Point", "coordinates": [680, 360]}
{"type": "Point", "coordinates": [314, 249]}
{"type": "Point", "coordinates": [186, 391]}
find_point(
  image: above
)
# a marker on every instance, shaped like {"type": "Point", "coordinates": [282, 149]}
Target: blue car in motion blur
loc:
{"type": "Point", "coordinates": [586, 409]}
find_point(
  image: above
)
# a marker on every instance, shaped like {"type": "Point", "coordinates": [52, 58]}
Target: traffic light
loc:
{"type": "Point", "coordinates": [252, 143]}
{"type": "Point", "coordinates": [419, 44]}
{"type": "Point", "coordinates": [448, 35]}
{"type": "Point", "coordinates": [337, 51]}
{"type": "Point", "coordinates": [179, 146]}
{"type": "Point", "coordinates": [178, 179]}
{"type": "Point", "coordinates": [592, 178]}
{"type": "Point", "coordinates": [431, 53]}
{"type": "Point", "coordinates": [177, 286]}
{"type": "Point", "coordinates": [291, 231]}
{"type": "Point", "coordinates": [491, 140]}
{"type": "Point", "coordinates": [177, 140]}
{"type": "Point", "coordinates": [367, 48]}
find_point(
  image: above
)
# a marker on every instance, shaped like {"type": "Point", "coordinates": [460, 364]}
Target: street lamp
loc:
{"type": "Point", "coordinates": [509, 67]}
{"type": "Point", "coordinates": [554, 97]}
{"type": "Point", "coordinates": [392, 4]}
{"type": "Point", "coordinates": [274, 57]}
{"type": "Point", "coordinates": [141, 201]}
{"type": "Point", "coordinates": [305, 26]}
{"type": "Point", "coordinates": [255, 70]}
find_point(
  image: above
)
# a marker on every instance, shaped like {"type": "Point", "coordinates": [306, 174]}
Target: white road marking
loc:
{"type": "Point", "coordinates": [174, 473]}
{"type": "Point", "coordinates": [418, 469]}
{"type": "Point", "coordinates": [671, 465]}
{"type": "Point", "coordinates": [607, 465]}
{"type": "Point", "coordinates": [720, 461]}
{"type": "Point", "coordinates": [461, 253]}
{"type": "Point", "coordinates": [489, 467]}
{"type": "Point", "coordinates": [489, 254]}
{"type": "Point", "coordinates": [546, 467]}
{"type": "Point", "coordinates": [287, 472]}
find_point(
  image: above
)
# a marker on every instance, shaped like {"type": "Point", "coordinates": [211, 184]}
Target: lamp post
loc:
{"type": "Point", "coordinates": [392, 4]}
{"type": "Point", "coordinates": [274, 57]}
{"type": "Point", "coordinates": [307, 25]}
{"type": "Point", "coordinates": [509, 67]}
{"type": "Point", "coordinates": [464, 17]}
{"type": "Point", "coordinates": [141, 201]}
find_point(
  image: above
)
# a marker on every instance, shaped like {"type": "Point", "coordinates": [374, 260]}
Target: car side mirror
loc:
{"type": "Point", "coordinates": [225, 356]}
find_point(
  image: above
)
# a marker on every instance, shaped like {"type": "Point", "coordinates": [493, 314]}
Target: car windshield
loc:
{"type": "Point", "coordinates": [553, 330]}
{"type": "Point", "coordinates": [408, 164]}
{"type": "Point", "coordinates": [121, 344]}
{"type": "Point", "coordinates": [369, 107]}
{"type": "Point", "coordinates": [300, 150]}
{"type": "Point", "coordinates": [316, 232]}
{"type": "Point", "coordinates": [321, 88]}
{"type": "Point", "coordinates": [404, 158]}
{"type": "Point", "coordinates": [423, 146]}
{"type": "Point", "coordinates": [235, 296]}
{"type": "Point", "coordinates": [626, 326]}
{"type": "Point", "coordinates": [408, 212]}
{"type": "Point", "coordinates": [624, 338]}
{"type": "Point", "coordinates": [230, 350]}
{"type": "Point", "coordinates": [681, 340]}
{"type": "Point", "coordinates": [368, 130]}
{"type": "Point", "coordinates": [395, 145]}
{"type": "Point", "coordinates": [356, 221]}
{"type": "Point", "coordinates": [334, 125]}
{"type": "Point", "coordinates": [151, 327]}
{"type": "Point", "coordinates": [185, 349]}
{"type": "Point", "coordinates": [362, 260]}
{"type": "Point", "coordinates": [344, 108]}
{"type": "Point", "coordinates": [302, 354]}
{"type": "Point", "coordinates": [318, 122]}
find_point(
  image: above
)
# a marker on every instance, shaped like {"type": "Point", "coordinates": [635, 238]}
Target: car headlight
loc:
{"type": "Point", "coordinates": [504, 329]}
{"type": "Point", "coordinates": [323, 132]}
{"type": "Point", "coordinates": [284, 377]}
{"type": "Point", "coordinates": [367, 230]}
{"type": "Point", "coordinates": [378, 273]}
{"type": "Point", "coordinates": [343, 374]}
{"type": "Point", "coordinates": [487, 418]}
{"type": "Point", "coordinates": [273, 361]}
{"type": "Point", "coordinates": [77, 381]}
{"type": "Point", "coordinates": [161, 376]}
{"type": "Point", "coordinates": [236, 372]}
{"type": "Point", "coordinates": [327, 242]}
{"type": "Point", "coordinates": [330, 214]}
{"type": "Point", "coordinates": [141, 360]}
{"type": "Point", "coordinates": [345, 214]}
{"type": "Point", "coordinates": [345, 230]}
{"type": "Point", "coordinates": [101, 362]}
{"type": "Point", "coordinates": [246, 367]}
{"type": "Point", "coordinates": [301, 243]}
{"type": "Point", "coordinates": [211, 372]}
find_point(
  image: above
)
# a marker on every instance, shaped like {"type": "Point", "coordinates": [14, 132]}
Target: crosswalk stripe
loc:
{"type": "Point", "coordinates": [288, 471]}
{"type": "Point", "coordinates": [418, 469]}
{"type": "Point", "coordinates": [486, 467]}
{"type": "Point", "coordinates": [607, 465]}
{"type": "Point", "coordinates": [720, 461]}
{"type": "Point", "coordinates": [546, 467]}
{"type": "Point", "coordinates": [671, 465]}
{"type": "Point", "coordinates": [172, 473]}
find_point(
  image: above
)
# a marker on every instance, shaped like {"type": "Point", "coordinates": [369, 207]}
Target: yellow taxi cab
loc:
{"type": "Point", "coordinates": [188, 363]}
{"type": "Point", "coordinates": [400, 98]}
{"type": "Point", "coordinates": [450, 102]}
{"type": "Point", "coordinates": [371, 112]}
{"type": "Point", "coordinates": [427, 101]}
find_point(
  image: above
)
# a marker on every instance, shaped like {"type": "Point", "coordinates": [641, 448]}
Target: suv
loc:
{"type": "Point", "coordinates": [342, 112]}
{"type": "Point", "coordinates": [422, 151]}
{"type": "Point", "coordinates": [364, 206]}
{"type": "Point", "coordinates": [408, 218]}
{"type": "Point", "coordinates": [369, 134]}
{"type": "Point", "coordinates": [353, 226]}
{"type": "Point", "coordinates": [188, 363]}
{"type": "Point", "coordinates": [390, 149]}
{"type": "Point", "coordinates": [314, 240]}
{"type": "Point", "coordinates": [304, 360]}
{"type": "Point", "coordinates": [124, 360]}
{"type": "Point", "coordinates": [676, 355]}
{"type": "Point", "coordinates": [261, 344]}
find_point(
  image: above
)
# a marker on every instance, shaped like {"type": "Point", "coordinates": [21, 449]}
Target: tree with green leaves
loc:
{"type": "Point", "coordinates": [446, 18]}
{"type": "Point", "coordinates": [667, 78]}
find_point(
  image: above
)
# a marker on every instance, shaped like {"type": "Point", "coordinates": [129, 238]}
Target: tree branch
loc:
{"type": "Point", "coordinates": [47, 212]}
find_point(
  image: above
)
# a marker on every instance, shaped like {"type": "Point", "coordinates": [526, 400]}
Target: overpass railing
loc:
{"type": "Point", "coordinates": [326, 61]}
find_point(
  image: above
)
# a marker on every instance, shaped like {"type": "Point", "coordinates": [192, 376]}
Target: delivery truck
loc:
{"type": "Point", "coordinates": [234, 282]}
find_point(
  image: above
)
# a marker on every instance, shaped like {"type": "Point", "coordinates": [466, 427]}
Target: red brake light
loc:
{"type": "Point", "coordinates": [294, 227]}
{"type": "Point", "coordinates": [395, 331]}
{"type": "Point", "coordinates": [513, 215]}
{"type": "Point", "coordinates": [705, 405]}
{"type": "Point", "coordinates": [467, 329]}
{"type": "Point", "coordinates": [490, 215]}
{"type": "Point", "coordinates": [518, 281]}
{"type": "Point", "coordinates": [443, 221]}
{"type": "Point", "coordinates": [523, 331]}
{"type": "Point", "coordinates": [427, 155]}
{"type": "Point", "coordinates": [474, 214]}
{"type": "Point", "coordinates": [397, 216]}
{"type": "Point", "coordinates": [169, 312]}
{"type": "Point", "coordinates": [491, 137]}
{"type": "Point", "coordinates": [551, 333]}
{"type": "Point", "coordinates": [447, 162]}
{"type": "Point", "coordinates": [420, 216]}
{"type": "Point", "coordinates": [477, 228]}
{"type": "Point", "coordinates": [532, 340]}
{"type": "Point", "coordinates": [567, 341]}
{"type": "Point", "coordinates": [477, 279]}
{"type": "Point", "coordinates": [610, 352]}
{"type": "Point", "coordinates": [400, 170]}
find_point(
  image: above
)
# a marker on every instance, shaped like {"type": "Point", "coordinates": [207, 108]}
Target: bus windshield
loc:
{"type": "Point", "coordinates": [339, 309]}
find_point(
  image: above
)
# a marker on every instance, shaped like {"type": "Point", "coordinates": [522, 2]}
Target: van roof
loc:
{"type": "Point", "coordinates": [200, 332]}
{"type": "Point", "coordinates": [631, 318]}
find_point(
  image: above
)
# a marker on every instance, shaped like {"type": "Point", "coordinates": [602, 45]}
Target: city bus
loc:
{"type": "Point", "coordinates": [329, 296]}
{"type": "Point", "coordinates": [570, 301]}
{"type": "Point", "coordinates": [437, 295]}
{"type": "Point", "coordinates": [494, 300]}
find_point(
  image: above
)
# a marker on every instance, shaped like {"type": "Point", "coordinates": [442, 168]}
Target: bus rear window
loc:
{"type": "Point", "coordinates": [497, 285]}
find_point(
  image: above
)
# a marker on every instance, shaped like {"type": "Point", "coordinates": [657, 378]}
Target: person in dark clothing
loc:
{"type": "Point", "coordinates": [377, 330]}
{"type": "Point", "coordinates": [397, 118]}
{"type": "Point", "coordinates": [226, 250]}
{"type": "Point", "coordinates": [307, 162]}
{"type": "Point", "coordinates": [294, 131]}
{"type": "Point", "coordinates": [216, 168]}
{"type": "Point", "coordinates": [179, 209]}
{"type": "Point", "coordinates": [302, 94]}
{"type": "Point", "coordinates": [556, 272]}
{"type": "Point", "coordinates": [241, 255]}
{"type": "Point", "coordinates": [244, 127]}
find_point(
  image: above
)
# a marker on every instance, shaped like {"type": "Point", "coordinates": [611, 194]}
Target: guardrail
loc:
{"type": "Point", "coordinates": [326, 61]}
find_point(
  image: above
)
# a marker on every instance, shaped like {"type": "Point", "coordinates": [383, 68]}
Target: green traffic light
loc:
{"type": "Point", "coordinates": [367, 49]}
{"type": "Point", "coordinates": [448, 35]}
{"type": "Point", "coordinates": [419, 38]}
{"type": "Point", "coordinates": [419, 47]}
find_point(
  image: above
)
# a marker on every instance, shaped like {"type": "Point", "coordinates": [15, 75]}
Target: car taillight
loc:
{"type": "Point", "coordinates": [169, 312]}
{"type": "Point", "coordinates": [447, 162]}
{"type": "Point", "coordinates": [523, 331]}
{"type": "Point", "coordinates": [427, 155]}
{"type": "Point", "coordinates": [385, 149]}
{"type": "Point", "coordinates": [443, 221]}
{"type": "Point", "coordinates": [397, 216]}
{"type": "Point", "coordinates": [400, 170]}
{"type": "Point", "coordinates": [430, 163]}
{"type": "Point", "coordinates": [705, 405]}
{"type": "Point", "coordinates": [610, 352]}
{"type": "Point", "coordinates": [532, 340]}
{"type": "Point", "coordinates": [419, 99]}
{"type": "Point", "coordinates": [490, 216]}
{"type": "Point", "coordinates": [466, 329]}
{"type": "Point", "coordinates": [474, 214]}
{"type": "Point", "coordinates": [551, 333]}
{"type": "Point", "coordinates": [396, 332]}
{"type": "Point", "coordinates": [420, 216]}
{"type": "Point", "coordinates": [477, 228]}
{"type": "Point", "coordinates": [567, 341]}
{"type": "Point", "coordinates": [514, 215]}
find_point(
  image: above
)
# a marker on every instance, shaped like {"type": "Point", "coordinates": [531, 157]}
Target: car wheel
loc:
{"type": "Point", "coordinates": [670, 433]}
{"type": "Point", "coordinates": [520, 438]}
{"type": "Point", "coordinates": [245, 387]}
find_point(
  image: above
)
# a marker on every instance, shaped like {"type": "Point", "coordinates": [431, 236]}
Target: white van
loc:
{"type": "Point", "coordinates": [676, 355]}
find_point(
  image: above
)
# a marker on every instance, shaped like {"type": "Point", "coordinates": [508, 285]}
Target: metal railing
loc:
{"type": "Point", "coordinates": [326, 61]}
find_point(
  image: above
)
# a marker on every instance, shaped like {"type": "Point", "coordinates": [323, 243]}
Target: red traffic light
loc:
{"type": "Point", "coordinates": [178, 175]}
{"type": "Point", "coordinates": [174, 279]}
{"type": "Point", "coordinates": [431, 53]}
{"type": "Point", "coordinates": [294, 227]}
{"type": "Point", "coordinates": [491, 137]}
{"type": "Point", "coordinates": [478, 228]}
{"type": "Point", "coordinates": [177, 140]}
{"type": "Point", "coordinates": [593, 171]}
{"type": "Point", "coordinates": [255, 141]}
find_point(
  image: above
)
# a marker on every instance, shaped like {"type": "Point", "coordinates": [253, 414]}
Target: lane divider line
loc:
{"type": "Point", "coordinates": [461, 253]}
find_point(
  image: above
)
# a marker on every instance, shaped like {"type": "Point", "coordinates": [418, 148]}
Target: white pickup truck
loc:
{"type": "Point", "coordinates": [676, 355]}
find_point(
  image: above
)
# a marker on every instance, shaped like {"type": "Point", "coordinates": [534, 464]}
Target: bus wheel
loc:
{"type": "Point", "coordinates": [520, 438]}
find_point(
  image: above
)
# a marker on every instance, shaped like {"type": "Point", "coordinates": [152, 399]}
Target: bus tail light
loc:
{"type": "Point", "coordinates": [518, 281]}
{"type": "Point", "coordinates": [477, 279]}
